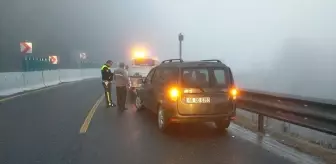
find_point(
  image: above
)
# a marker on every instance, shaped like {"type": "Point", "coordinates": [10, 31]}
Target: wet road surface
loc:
{"type": "Point", "coordinates": [47, 127]}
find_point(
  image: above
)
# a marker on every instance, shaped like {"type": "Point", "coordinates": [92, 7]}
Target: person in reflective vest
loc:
{"type": "Point", "coordinates": [107, 77]}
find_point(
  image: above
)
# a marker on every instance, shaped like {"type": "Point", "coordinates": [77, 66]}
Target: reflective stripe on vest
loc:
{"type": "Point", "coordinates": [104, 66]}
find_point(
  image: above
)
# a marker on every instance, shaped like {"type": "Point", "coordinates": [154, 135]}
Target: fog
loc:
{"type": "Point", "coordinates": [284, 46]}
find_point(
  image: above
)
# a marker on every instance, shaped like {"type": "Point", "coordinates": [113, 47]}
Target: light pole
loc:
{"type": "Point", "coordinates": [180, 37]}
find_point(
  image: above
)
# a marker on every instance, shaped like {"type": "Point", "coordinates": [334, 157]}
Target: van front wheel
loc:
{"type": "Point", "coordinates": [139, 103]}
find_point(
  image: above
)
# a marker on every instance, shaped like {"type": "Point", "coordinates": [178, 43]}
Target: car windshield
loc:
{"type": "Point", "coordinates": [136, 71]}
{"type": "Point", "coordinates": [201, 77]}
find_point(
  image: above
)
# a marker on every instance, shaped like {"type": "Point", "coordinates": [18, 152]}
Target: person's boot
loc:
{"type": "Point", "coordinates": [108, 105]}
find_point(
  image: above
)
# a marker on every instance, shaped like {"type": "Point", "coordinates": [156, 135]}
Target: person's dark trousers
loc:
{"type": "Point", "coordinates": [121, 97]}
{"type": "Point", "coordinates": [108, 95]}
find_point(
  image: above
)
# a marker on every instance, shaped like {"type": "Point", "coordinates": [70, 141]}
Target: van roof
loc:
{"type": "Point", "coordinates": [183, 64]}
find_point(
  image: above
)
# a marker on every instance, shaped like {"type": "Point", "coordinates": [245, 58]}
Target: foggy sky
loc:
{"type": "Point", "coordinates": [270, 39]}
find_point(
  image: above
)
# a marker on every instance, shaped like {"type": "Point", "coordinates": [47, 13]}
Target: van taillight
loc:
{"type": "Point", "coordinates": [173, 93]}
{"type": "Point", "coordinates": [233, 93]}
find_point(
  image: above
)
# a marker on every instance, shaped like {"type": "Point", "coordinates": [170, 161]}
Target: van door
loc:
{"type": "Point", "coordinates": [153, 95]}
{"type": "Point", "coordinates": [165, 79]}
{"type": "Point", "coordinates": [147, 89]}
{"type": "Point", "coordinates": [205, 91]}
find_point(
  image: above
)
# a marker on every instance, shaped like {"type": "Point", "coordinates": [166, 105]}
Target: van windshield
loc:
{"type": "Point", "coordinates": [205, 77]}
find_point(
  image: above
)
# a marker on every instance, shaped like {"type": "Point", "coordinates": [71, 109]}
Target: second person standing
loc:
{"type": "Point", "coordinates": [121, 82]}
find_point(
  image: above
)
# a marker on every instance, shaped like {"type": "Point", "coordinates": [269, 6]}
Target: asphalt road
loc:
{"type": "Point", "coordinates": [59, 125]}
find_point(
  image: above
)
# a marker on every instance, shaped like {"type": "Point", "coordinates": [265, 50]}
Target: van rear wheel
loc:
{"type": "Point", "coordinates": [162, 120]}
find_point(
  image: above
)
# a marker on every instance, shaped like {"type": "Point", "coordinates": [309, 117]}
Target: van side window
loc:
{"type": "Point", "coordinates": [165, 75]}
{"type": "Point", "coordinates": [157, 75]}
{"type": "Point", "coordinates": [170, 74]}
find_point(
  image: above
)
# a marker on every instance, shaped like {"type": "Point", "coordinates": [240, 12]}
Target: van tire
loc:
{"type": "Point", "coordinates": [162, 121]}
{"type": "Point", "coordinates": [139, 103]}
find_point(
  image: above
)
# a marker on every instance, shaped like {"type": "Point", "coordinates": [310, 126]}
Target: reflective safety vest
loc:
{"type": "Point", "coordinates": [106, 72]}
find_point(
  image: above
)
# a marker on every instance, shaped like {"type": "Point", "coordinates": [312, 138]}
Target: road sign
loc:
{"type": "Point", "coordinates": [180, 37]}
{"type": "Point", "coordinates": [26, 47]}
{"type": "Point", "coordinates": [82, 56]}
{"type": "Point", "coordinates": [53, 59]}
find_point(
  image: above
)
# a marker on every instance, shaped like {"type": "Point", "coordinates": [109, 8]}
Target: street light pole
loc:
{"type": "Point", "coordinates": [180, 37]}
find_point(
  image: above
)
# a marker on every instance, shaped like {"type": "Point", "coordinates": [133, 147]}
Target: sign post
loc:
{"type": "Point", "coordinates": [26, 48]}
{"type": "Point", "coordinates": [180, 37]}
{"type": "Point", "coordinates": [82, 57]}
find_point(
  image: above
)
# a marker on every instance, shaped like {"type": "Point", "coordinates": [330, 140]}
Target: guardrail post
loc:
{"type": "Point", "coordinates": [261, 123]}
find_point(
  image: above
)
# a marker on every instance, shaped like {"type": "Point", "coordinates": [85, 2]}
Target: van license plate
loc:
{"type": "Point", "coordinates": [198, 100]}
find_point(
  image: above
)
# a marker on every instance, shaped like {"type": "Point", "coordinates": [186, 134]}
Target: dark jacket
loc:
{"type": "Point", "coordinates": [106, 73]}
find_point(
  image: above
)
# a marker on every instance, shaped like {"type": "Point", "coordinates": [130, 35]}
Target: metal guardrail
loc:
{"type": "Point", "coordinates": [315, 114]}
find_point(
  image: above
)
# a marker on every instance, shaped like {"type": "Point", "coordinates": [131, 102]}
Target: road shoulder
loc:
{"type": "Point", "coordinates": [329, 156]}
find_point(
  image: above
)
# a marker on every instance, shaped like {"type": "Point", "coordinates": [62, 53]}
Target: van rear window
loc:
{"type": "Point", "coordinates": [195, 77]}
{"type": "Point", "coordinates": [204, 77]}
